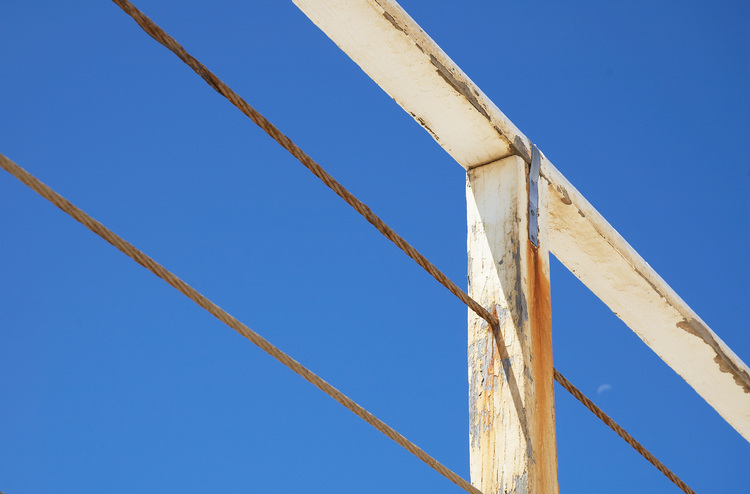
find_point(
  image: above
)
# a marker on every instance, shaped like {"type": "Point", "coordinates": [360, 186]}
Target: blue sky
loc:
{"type": "Point", "coordinates": [113, 382]}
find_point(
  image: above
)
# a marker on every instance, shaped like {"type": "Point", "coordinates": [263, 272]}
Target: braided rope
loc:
{"type": "Point", "coordinates": [156, 32]}
{"type": "Point", "coordinates": [219, 313]}
{"type": "Point", "coordinates": [153, 30]}
{"type": "Point", "coordinates": [621, 432]}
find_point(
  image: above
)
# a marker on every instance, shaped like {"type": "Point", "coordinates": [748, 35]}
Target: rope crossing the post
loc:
{"type": "Point", "coordinates": [223, 316]}
{"type": "Point", "coordinates": [160, 271]}
{"type": "Point", "coordinates": [153, 30]}
{"type": "Point", "coordinates": [621, 432]}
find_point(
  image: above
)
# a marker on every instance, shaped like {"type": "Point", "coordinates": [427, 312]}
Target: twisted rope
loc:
{"type": "Point", "coordinates": [153, 30]}
{"type": "Point", "coordinates": [219, 313]}
{"type": "Point", "coordinates": [157, 33]}
{"type": "Point", "coordinates": [621, 432]}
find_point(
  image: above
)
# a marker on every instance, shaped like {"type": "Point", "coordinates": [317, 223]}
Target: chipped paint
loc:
{"type": "Point", "coordinates": [699, 330]}
{"type": "Point", "coordinates": [395, 24]}
{"type": "Point", "coordinates": [407, 64]}
{"type": "Point", "coordinates": [521, 148]}
{"type": "Point", "coordinates": [461, 87]}
{"type": "Point", "coordinates": [563, 194]}
{"type": "Point", "coordinates": [426, 127]}
{"type": "Point", "coordinates": [510, 369]}
{"type": "Point", "coordinates": [394, 51]}
{"type": "Point", "coordinates": [466, 88]}
{"type": "Point", "coordinates": [595, 253]}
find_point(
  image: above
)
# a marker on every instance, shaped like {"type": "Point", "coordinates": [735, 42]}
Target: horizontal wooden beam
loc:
{"type": "Point", "coordinates": [399, 56]}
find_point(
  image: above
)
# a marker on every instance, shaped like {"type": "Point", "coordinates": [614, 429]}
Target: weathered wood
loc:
{"type": "Point", "coordinates": [511, 382]}
{"type": "Point", "coordinates": [593, 251]}
{"type": "Point", "coordinates": [394, 51]}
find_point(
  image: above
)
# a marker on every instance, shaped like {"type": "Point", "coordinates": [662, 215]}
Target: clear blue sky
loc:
{"type": "Point", "coordinates": [113, 382]}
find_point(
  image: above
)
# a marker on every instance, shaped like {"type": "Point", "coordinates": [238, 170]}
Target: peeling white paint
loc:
{"type": "Point", "coordinates": [396, 53]}
{"type": "Point", "coordinates": [588, 246]}
{"type": "Point", "coordinates": [511, 396]}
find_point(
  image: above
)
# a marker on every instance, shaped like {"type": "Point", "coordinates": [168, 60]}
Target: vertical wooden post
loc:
{"type": "Point", "coordinates": [512, 423]}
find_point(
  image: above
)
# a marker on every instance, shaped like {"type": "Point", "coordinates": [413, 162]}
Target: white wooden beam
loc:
{"type": "Point", "coordinates": [396, 53]}
{"type": "Point", "coordinates": [592, 250]}
{"type": "Point", "coordinates": [511, 381]}
{"type": "Point", "coordinates": [392, 49]}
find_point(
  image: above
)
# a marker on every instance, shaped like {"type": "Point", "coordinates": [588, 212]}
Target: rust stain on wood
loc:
{"type": "Point", "coordinates": [544, 460]}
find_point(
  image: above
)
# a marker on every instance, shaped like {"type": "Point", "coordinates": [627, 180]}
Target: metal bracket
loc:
{"type": "Point", "coordinates": [536, 163]}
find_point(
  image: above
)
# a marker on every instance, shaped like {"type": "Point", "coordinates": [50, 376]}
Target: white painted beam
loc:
{"type": "Point", "coordinates": [394, 51]}
{"type": "Point", "coordinates": [511, 380]}
{"type": "Point", "coordinates": [592, 250]}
